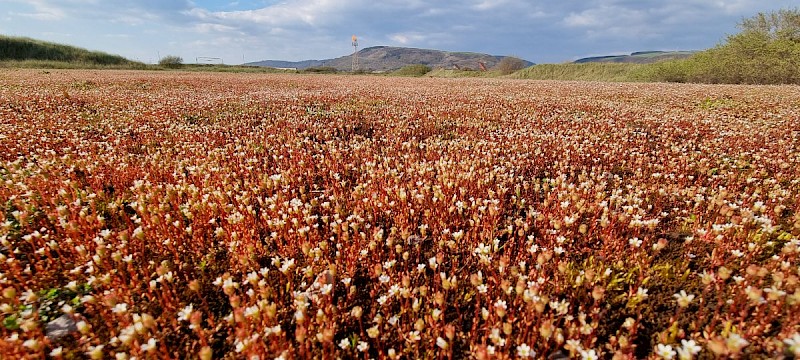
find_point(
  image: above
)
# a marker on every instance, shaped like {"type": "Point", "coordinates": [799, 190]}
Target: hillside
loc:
{"type": "Point", "coordinates": [26, 49]}
{"type": "Point", "coordinates": [641, 57]}
{"type": "Point", "coordinates": [388, 58]}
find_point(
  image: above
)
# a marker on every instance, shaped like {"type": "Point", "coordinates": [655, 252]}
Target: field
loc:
{"type": "Point", "coordinates": [197, 215]}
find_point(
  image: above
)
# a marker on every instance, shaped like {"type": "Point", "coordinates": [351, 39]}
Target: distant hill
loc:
{"type": "Point", "coordinates": [388, 58]}
{"type": "Point", "coordinates": [641, 57]}
{"type": "Point", "coordinates": [23, 49]}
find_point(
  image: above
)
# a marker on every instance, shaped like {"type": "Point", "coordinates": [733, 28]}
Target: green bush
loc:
{"type": "Point", "coordinates": [321, 70]}
{"type": "Point", "coordinates": [413, 70]}
{"type": "Point", "coordinates": [767, 51]}
{"type": "Point", "coordinates": [171, 61]}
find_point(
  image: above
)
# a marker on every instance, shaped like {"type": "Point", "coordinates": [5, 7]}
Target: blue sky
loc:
{"type": "Point", "coordinates": [542, 31]}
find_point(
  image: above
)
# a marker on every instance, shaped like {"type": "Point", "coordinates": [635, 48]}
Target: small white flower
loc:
{"type": "Point", "coordinates": [442, 343]}
{"type": "Point", "coordinates": [629, 322]}
{"type": "Point", "coordinates": [382, 300]}
{"type": "Point", "coordinates": [31, 344]}
{"type": "Point", "coordinates": [229, 284]}
{"type": "Point", "coordinates": [120, 308]}
{"type": "Point", "coordinates": [286, 266]}
{"type": "Point", "coordinates": [413, 336]}
{"type": "Point", "coordinates": [95, 352]}
{"type": "Point", "coordinates": [240, 346]}
{"type": "Point", "coordinates": [736, 341]}
{"type": "Point", "coordinates": [533, 249]}
{"type": "Point", "coordinates": [635, 242]}
{"type": "Point", "coordinates": [524, 351]}
{"type": "Point", "coordinates": [691, 346]}
{"type": "Point", "coordinates": [149, 346]}
{"type": "Point", "coordinates": [185, 313]}
{"type": "Point", "coordinates": [344, 344]}
{"type": "Point", "coordinates": [688, 349]}
{"type": "Point", "coordinates": [589, 354]}
{"type": "Point", "coordinates": [641, 293]}
{"type": "Point", "coordinates": [794, 344]}
{"type": "Point", "coordinates": [574, 345]}
{"type": "Point", "coordinates": [57, 351]}
{"type": "Point", "coordinates": [683, 298]}
{"type": "Point", "coordinates": [82, 326]}
{"type": "Point", "coordinates": [326, 289]}
{"type": "Point", "coordinates": [251, 311]}
{"type": "Point", "coordinates": [436, 314]}
{"type": "Point", "coordinates": [384, 278]}
{"type": "Point", "coordinates": [67, 309]}
{"type": "Point", "coordinates": [665, 351]}
{"type": "Point", "coordinates": [362, 346]}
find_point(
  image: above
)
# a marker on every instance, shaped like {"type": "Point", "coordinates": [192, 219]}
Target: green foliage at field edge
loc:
{"type": "Point", "coordinates": [413, 70]}
{"type": "Point", "coordinates": [25, 49]}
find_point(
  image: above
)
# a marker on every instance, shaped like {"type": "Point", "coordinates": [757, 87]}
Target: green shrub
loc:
{"type": "Point", "coordinates": [767, 51]}
{"type": "Point", "coordinates": [171, 61]}
{"type": "Point", "coordinates": [413, 70]}
{"type": "Point", "coordinates": [321, 70]}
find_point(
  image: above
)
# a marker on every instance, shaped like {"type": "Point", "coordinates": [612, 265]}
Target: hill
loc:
{"type": "Point", "coordinates": [641, 57]}
{"type": "Point", "coordinates": [388, 58]}
{"type": "Point", "coordinates": [26, 49]}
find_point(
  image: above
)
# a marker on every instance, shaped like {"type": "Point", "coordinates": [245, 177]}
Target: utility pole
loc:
{"type": "Point", "coordinates": [355, 53]}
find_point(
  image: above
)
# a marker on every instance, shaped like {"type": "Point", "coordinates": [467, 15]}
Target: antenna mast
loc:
{"type": "Point", "coordinates": [355, 53]}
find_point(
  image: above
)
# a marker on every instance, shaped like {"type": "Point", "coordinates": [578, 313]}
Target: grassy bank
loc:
{"type": "Point", "coordinates": [452, 73]}
{"type": "Point", "coordinates": [20, 49]}
{"type": "Point", "coordinates": [585, 72]}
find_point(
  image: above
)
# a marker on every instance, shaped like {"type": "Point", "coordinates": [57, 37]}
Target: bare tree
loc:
{"type": "Point", "coordinates": [510, 64]}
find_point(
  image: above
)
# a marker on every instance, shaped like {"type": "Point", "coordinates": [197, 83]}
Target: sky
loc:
{"type": "Point", "coordinates": [542, 31]}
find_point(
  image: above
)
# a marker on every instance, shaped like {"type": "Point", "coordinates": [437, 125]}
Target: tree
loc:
{"type": "Point", "coordinates": [766, 51]}
{"type": "Point", "coordinates": [171, 61]}
{"type": "Point", "coordinates": [510, 64]}
{"type": "Point", "coordinates": [778, 25]}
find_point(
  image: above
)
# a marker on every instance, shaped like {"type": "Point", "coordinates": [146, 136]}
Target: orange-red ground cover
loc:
{"type": "Point", "coordinates": [175, 215]}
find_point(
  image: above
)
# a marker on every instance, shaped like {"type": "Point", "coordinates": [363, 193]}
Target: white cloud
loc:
{"type": "Point", "coordinates": [205, 28]}
{"type": "Point", "coordinates": [407, 38]}
{"type": "Point", "coordinates": [485, 5]}
{"type": "Point", "coordinates": [298, 13]}
{"type": "Point", "coordinates": [42, 10]}
{"type": "Point", "coordinates": [299, 29]}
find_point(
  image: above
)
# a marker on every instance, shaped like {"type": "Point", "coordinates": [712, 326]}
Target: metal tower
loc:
{"type": "Point", "coordinates": [355, 53]}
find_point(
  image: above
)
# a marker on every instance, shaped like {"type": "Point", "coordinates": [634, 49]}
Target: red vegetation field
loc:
{"type": "Point", "coordinates": [176, 215]}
